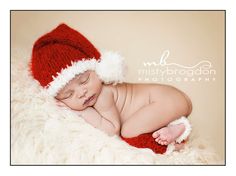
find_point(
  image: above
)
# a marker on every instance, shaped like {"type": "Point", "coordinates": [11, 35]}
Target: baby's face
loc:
{"type": "Point", "coordinates": [81, 92]}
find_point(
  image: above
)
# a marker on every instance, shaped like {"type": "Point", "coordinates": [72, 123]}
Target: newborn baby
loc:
{"type": "Point", "coordinates": [72, 70]}
{"type": "Point", "coordinates": [127, 109]}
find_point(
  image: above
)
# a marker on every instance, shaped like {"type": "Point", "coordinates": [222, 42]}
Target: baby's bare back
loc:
{"type": "Point", "coordinates": [129, 98]}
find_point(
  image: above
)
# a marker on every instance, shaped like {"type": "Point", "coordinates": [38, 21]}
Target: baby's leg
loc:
{"type": "Point", "coordinates": [167, 135]}
{"type": "Point", "coordinates": [152, 117]}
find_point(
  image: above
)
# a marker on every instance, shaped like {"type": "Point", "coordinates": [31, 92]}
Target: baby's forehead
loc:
{"type": "Point", "coordinates": [83, 73]}
{"type": "Point", "coordinates": [76, 77]}
{"type": "Point", "coordinates": [66, 87]}
{"type": "Point", "coordinates": [72, 82]}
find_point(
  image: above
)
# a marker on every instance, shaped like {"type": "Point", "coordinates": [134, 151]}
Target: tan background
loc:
{"type": "Point", "coordinates": [142, 36]}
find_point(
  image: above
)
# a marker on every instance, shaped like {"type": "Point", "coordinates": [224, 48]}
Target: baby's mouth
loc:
{"type": "Point", "coordinates": [89, 99]}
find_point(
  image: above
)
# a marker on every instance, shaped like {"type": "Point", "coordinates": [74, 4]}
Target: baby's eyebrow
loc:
{"type": "Point", "coordinates": [83, 74]}
{"type": "Point", "coordinates": [62, 95]}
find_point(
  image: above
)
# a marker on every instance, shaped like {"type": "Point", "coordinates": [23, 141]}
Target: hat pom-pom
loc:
{"type": "Point", "coordinates": [111, 68]}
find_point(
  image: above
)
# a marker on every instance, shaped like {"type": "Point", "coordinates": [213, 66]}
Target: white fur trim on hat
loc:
{"type": "Point", "coordinates": [67, 74]}
{"type": "Point", "coordinates": [110, 69]}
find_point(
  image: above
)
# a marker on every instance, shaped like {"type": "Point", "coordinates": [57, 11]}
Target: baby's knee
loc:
{"type": "Point", "coordinates": [127, 132]}
{"type": "Point", "coordinates": [188, 106]}
{"type": "Point", "coordinates": [124, 132]}
{"type": "Point", "coordinates": [184, 104]}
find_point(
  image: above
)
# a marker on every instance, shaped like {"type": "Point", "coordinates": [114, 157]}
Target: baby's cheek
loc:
{"type": "Point", "coordinates": [78, 107]}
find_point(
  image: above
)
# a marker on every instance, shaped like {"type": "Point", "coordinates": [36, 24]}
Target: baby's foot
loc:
{"type": "Point", "coordinates": [168, 134]}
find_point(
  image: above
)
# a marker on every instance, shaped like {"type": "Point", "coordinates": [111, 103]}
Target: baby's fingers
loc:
{"type": "Point", "coordinates": [59, 103]}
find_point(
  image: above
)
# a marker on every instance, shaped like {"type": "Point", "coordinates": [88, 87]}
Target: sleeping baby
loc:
{"type": "Point", "coordinates": [91, 84]}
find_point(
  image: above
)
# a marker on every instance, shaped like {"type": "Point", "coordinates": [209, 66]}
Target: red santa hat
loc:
{"type": "Point", "coordinates": [63, 53]}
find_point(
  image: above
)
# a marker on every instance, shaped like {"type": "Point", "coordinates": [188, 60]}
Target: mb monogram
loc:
{"type": "Point", "coordinates": [163, 71]}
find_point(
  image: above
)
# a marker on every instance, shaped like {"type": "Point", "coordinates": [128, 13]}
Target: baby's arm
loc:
{"type": "Point", "coordinates": [91, 116]}
{"type": "Point", "coordinates": [104, 114]}
{"type": "Point", "coordinates": [106, 107]}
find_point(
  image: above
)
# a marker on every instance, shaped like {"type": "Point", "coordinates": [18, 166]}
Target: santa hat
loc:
{"type": "Point", "coordinates": [63, 53]}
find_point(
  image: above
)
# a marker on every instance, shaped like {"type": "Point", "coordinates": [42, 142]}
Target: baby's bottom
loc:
{"type": "Point", "coordinates": [153, 117]}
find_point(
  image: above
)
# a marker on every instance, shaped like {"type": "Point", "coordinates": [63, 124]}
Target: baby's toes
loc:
{"type": "Point", "coordinates": [163, 142]}
{"type": "Point", "coordinates": [157, 139]}
{"type": "Point", "coordinates": [155, 134]}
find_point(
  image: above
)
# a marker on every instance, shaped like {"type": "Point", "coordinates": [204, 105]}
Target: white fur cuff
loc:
{"type": "Point", "coordinates": [170, 148]}
{"type": "Point", "coordinates": [187, 130]}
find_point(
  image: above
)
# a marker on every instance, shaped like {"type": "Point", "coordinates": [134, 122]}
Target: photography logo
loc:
{"type": "Point", "coordinates": [164, 71]}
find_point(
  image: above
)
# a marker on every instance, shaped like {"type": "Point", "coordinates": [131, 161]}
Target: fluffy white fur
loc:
{"type": "Point", "coordinates": [112, 68]}
{"type": "Point", "coordinates": [42, 133]}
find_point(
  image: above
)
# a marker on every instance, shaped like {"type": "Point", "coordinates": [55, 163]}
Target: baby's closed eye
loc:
{"type": "Point", "coordinates": [84, 78]}
{"type": "Point", "coordinates": [65, 95]}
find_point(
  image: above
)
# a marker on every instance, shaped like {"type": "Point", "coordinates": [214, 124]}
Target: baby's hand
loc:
{"type": "Point", "coordinates": [61, 104]}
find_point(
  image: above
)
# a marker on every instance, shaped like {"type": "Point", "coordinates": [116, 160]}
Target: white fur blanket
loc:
{"type": "Point", "coordinates": [42, 133]}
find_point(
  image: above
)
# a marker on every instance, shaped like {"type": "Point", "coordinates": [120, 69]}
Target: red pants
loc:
{"type": "Point", "coordinates": [146, 141]}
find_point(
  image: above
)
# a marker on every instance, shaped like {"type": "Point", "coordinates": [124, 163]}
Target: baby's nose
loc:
{"type": "Point", "coordinates": [82, 93]}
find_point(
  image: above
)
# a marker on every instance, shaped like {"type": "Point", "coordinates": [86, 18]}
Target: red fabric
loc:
{"type": "Point", "coordinates": [55, 50]}
{"type": "Point", "coordinates": [146, 141]}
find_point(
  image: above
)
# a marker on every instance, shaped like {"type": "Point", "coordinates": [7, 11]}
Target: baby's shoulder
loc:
{"type": "Point", "coordinates": [108, 89]}
{"type": "Point", "coordinates": [107, 93]}
{"type": "Point", "coordinates": [111, 91]}
{"type": "Point", "coordinates": [105, 98]}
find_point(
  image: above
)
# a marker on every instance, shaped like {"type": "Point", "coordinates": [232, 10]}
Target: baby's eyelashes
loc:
{"type": "Point", "coordinates": [84, 79]}
{"type": "Point", "coordinates": [66, 95]}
